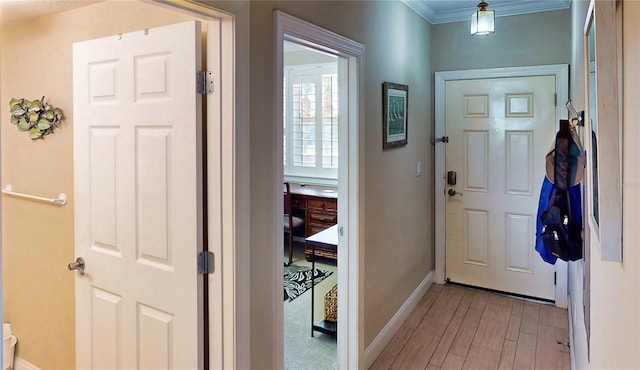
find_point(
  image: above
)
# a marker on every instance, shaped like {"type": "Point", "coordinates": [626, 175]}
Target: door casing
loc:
{"type": "Point", "coordinates": [561, 72]}
{"type": "Point", "coordinates": [350, 186]}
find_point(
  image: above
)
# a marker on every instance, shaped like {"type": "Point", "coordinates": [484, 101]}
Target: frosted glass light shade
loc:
{"type": "Point", "coordinates": [482, 22]}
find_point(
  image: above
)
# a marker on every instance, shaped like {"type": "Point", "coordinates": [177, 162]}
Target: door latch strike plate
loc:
{"type": "Point", "coordinates": [205, 262]}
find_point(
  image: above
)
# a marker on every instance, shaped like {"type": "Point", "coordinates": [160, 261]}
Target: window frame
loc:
{"type": "Point", "coordinates": [296, 173]}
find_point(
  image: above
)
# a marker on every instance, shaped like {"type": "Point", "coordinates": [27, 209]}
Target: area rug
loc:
{"type": "Point", "coordinates": [297, 279]}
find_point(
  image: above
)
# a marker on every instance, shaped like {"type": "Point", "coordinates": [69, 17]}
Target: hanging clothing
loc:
{"type": "Point", "coordinates": [563, 231]}
{"type": "Point", "coordinates": [575, 196]}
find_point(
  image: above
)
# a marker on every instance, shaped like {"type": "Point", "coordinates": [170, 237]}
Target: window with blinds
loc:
{"type": "Point", "coordinates": [311, 121]}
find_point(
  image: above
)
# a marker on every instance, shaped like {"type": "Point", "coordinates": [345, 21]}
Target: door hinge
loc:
{"type": "Point", "coordinates": [205, 262]}
{"type": "Point", "coordinates": [555, 99]}
{"type": "Point", "coordinates": [204, 82]}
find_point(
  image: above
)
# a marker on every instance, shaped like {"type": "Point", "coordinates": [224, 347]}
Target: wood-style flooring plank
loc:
{"type": "Point", "coordinates": [417, 352]}
{"type": "Point", "coordinates": [508, 355]}
{"type": "Point", "coordinates": [514, 320]}
{"type": "Point", "coordinates": [530, 318]}
{"type": "Point", "coordinates": [467, 297]}
{"type": "Point", "coordinates": [479, 301]}
{"type": "Point", "coordinates": [391, 351]}
{"type": "Point", "coordinates": [500, 299]}
{"type": "Point", "coordinates": [481, 358]}
{"type": "Point", "coordinates": [421, 309]}
{"type": "Point", "coordinates": [453, 362]}
{"type": "Point", "coordinates": [525, 352]}
{"type": "Point", "coordinates": [550, 354]}
{"type": "Point", "coordinates": [432, 367]}
{"type": "Point", "coordinates": [554, 316]}
{"type": "Point", "coordinates": [467, 331]}
{"type": "Point", "coordinates": [445, 342]}
{"type": "Point", "coordinates": [493, 326]}
{"type": "Point", "coordinates": [445, 305]}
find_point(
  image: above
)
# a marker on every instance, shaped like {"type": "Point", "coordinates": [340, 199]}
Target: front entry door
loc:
{"type": "Point", "coordinates": [499, 133]}
{"type": "Point", "coordinates": [138, 199]}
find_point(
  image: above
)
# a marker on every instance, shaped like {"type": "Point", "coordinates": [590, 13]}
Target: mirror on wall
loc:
{"type": "Point", "coordinates": [603, 76]}
{"type": "Point", "coordinates": [591, 184]}
{"type": "Point", "coordinates": [593, 119]}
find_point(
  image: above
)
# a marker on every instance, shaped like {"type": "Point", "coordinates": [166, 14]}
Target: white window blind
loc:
{"type": "Point", "coordinates": [311, 121]}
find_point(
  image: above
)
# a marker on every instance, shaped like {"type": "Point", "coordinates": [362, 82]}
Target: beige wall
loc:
{"type": "Point", "coordinates": [37, 239]}
{"type": "Point", "coordinates": [398, 218]}
{"type": "Point", "coordinates": [615, 297]}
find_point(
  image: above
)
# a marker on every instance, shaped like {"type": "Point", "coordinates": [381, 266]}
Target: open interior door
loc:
{"type": "Point", "coordinates": [139, 199]}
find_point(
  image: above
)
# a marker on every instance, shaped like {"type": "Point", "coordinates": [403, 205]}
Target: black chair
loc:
{"type": "Point", "coordinates": [291, 222]}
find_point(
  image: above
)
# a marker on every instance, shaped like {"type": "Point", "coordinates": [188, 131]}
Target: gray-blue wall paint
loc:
{"type": "Point", "coordinates": [522, 40]}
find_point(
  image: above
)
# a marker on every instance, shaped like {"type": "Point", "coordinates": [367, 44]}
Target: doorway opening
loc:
{"type": "Point", "coordinates": [322, 131]}
{"type": "Point", "coordinates": [312, 102]}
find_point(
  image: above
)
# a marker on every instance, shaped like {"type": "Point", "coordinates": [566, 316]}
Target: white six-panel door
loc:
{"type": "Point", "coordinates": [138, 199]}
{"type": "Point", "coordinates": [499, 133]}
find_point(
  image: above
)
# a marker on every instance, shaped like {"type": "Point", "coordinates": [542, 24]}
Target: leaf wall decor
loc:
{"type": "Point", "coordinates": [35, 117]}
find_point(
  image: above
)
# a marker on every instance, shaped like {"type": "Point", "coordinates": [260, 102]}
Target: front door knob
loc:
{"type": "Point", "coordinates": [78, 265]}
{"type": "Point", "coordinates": [453, 193]}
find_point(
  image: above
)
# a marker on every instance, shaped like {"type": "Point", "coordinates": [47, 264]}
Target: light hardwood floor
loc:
{"type": "Point", "coordinates": [461, 328]}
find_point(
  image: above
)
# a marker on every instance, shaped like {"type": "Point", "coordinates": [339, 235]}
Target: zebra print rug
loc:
{"type": "Point", "coordinates": [297, 279]}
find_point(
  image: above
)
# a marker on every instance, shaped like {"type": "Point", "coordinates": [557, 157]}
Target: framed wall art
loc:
{"type": "Point", "coordinates": [395, 104]}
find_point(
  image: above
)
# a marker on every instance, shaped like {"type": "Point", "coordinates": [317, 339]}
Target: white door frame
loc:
{"type": "Point", "coordinates": [561, 73]}
{"type": "Point", "coordinates": [350, 188]}
{"type": "Point", "coordinates": [224, 314]}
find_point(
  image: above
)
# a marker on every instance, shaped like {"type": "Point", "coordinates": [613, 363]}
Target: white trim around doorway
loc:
{"type": "Point", "coordinates": [561, 73]}
{"type": "Point", "coordinates": [228, 303]}
{"type": "Point", "coordinates": [350, 335]}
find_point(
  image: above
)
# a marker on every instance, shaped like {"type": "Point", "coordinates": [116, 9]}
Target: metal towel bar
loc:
{"type": "Point", "coordinates": [61, 199]}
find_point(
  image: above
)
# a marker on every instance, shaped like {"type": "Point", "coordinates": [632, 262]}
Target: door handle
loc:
{"type": "Point", "coordinates": [78, 265]}
{"type": "Point", "coordinates": [453, 193]}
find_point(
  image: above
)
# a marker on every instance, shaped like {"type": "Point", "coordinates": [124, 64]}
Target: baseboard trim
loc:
{"type": "Point", "coordinates": [20, 364]}
{"type": "Point", "coordinates": [376, 347]}
{"type": "Point", "coordinates": [572, 342]}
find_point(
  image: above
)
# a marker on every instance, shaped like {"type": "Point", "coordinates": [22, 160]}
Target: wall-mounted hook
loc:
{"type": "Point", "coordinates": [444, 139]}
{"type": "Point", "coordinates": [574, 116]}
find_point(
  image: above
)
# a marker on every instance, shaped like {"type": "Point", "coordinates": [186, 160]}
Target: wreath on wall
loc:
{"type": "Point", "coordinates": [35, 116]}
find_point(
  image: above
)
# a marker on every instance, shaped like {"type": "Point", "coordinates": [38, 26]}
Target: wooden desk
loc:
{"type": "Point", "coordinates": [327, 239]}
{"type": "Point", "coordinates": [318, 207]}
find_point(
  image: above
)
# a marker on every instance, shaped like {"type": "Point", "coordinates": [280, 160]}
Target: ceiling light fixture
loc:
{"type": "Point", "coordinates": [482, 20]}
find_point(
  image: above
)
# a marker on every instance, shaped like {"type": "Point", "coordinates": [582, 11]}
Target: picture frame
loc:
{"type": "Point", "coordinates": [395, 106]}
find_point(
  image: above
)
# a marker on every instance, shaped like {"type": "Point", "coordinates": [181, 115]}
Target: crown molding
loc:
{"type": "Point", "coordinates": [422, 8]}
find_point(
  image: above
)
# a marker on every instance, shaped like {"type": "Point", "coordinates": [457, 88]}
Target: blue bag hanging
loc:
{"type": "Point", "coordinates": [561, 231]}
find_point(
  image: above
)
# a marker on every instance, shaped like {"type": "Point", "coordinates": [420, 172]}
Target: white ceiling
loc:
{"type": "Point", "coordinates": [434, 11]}
{"type": "Point", "coordinates": [445, 11]}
